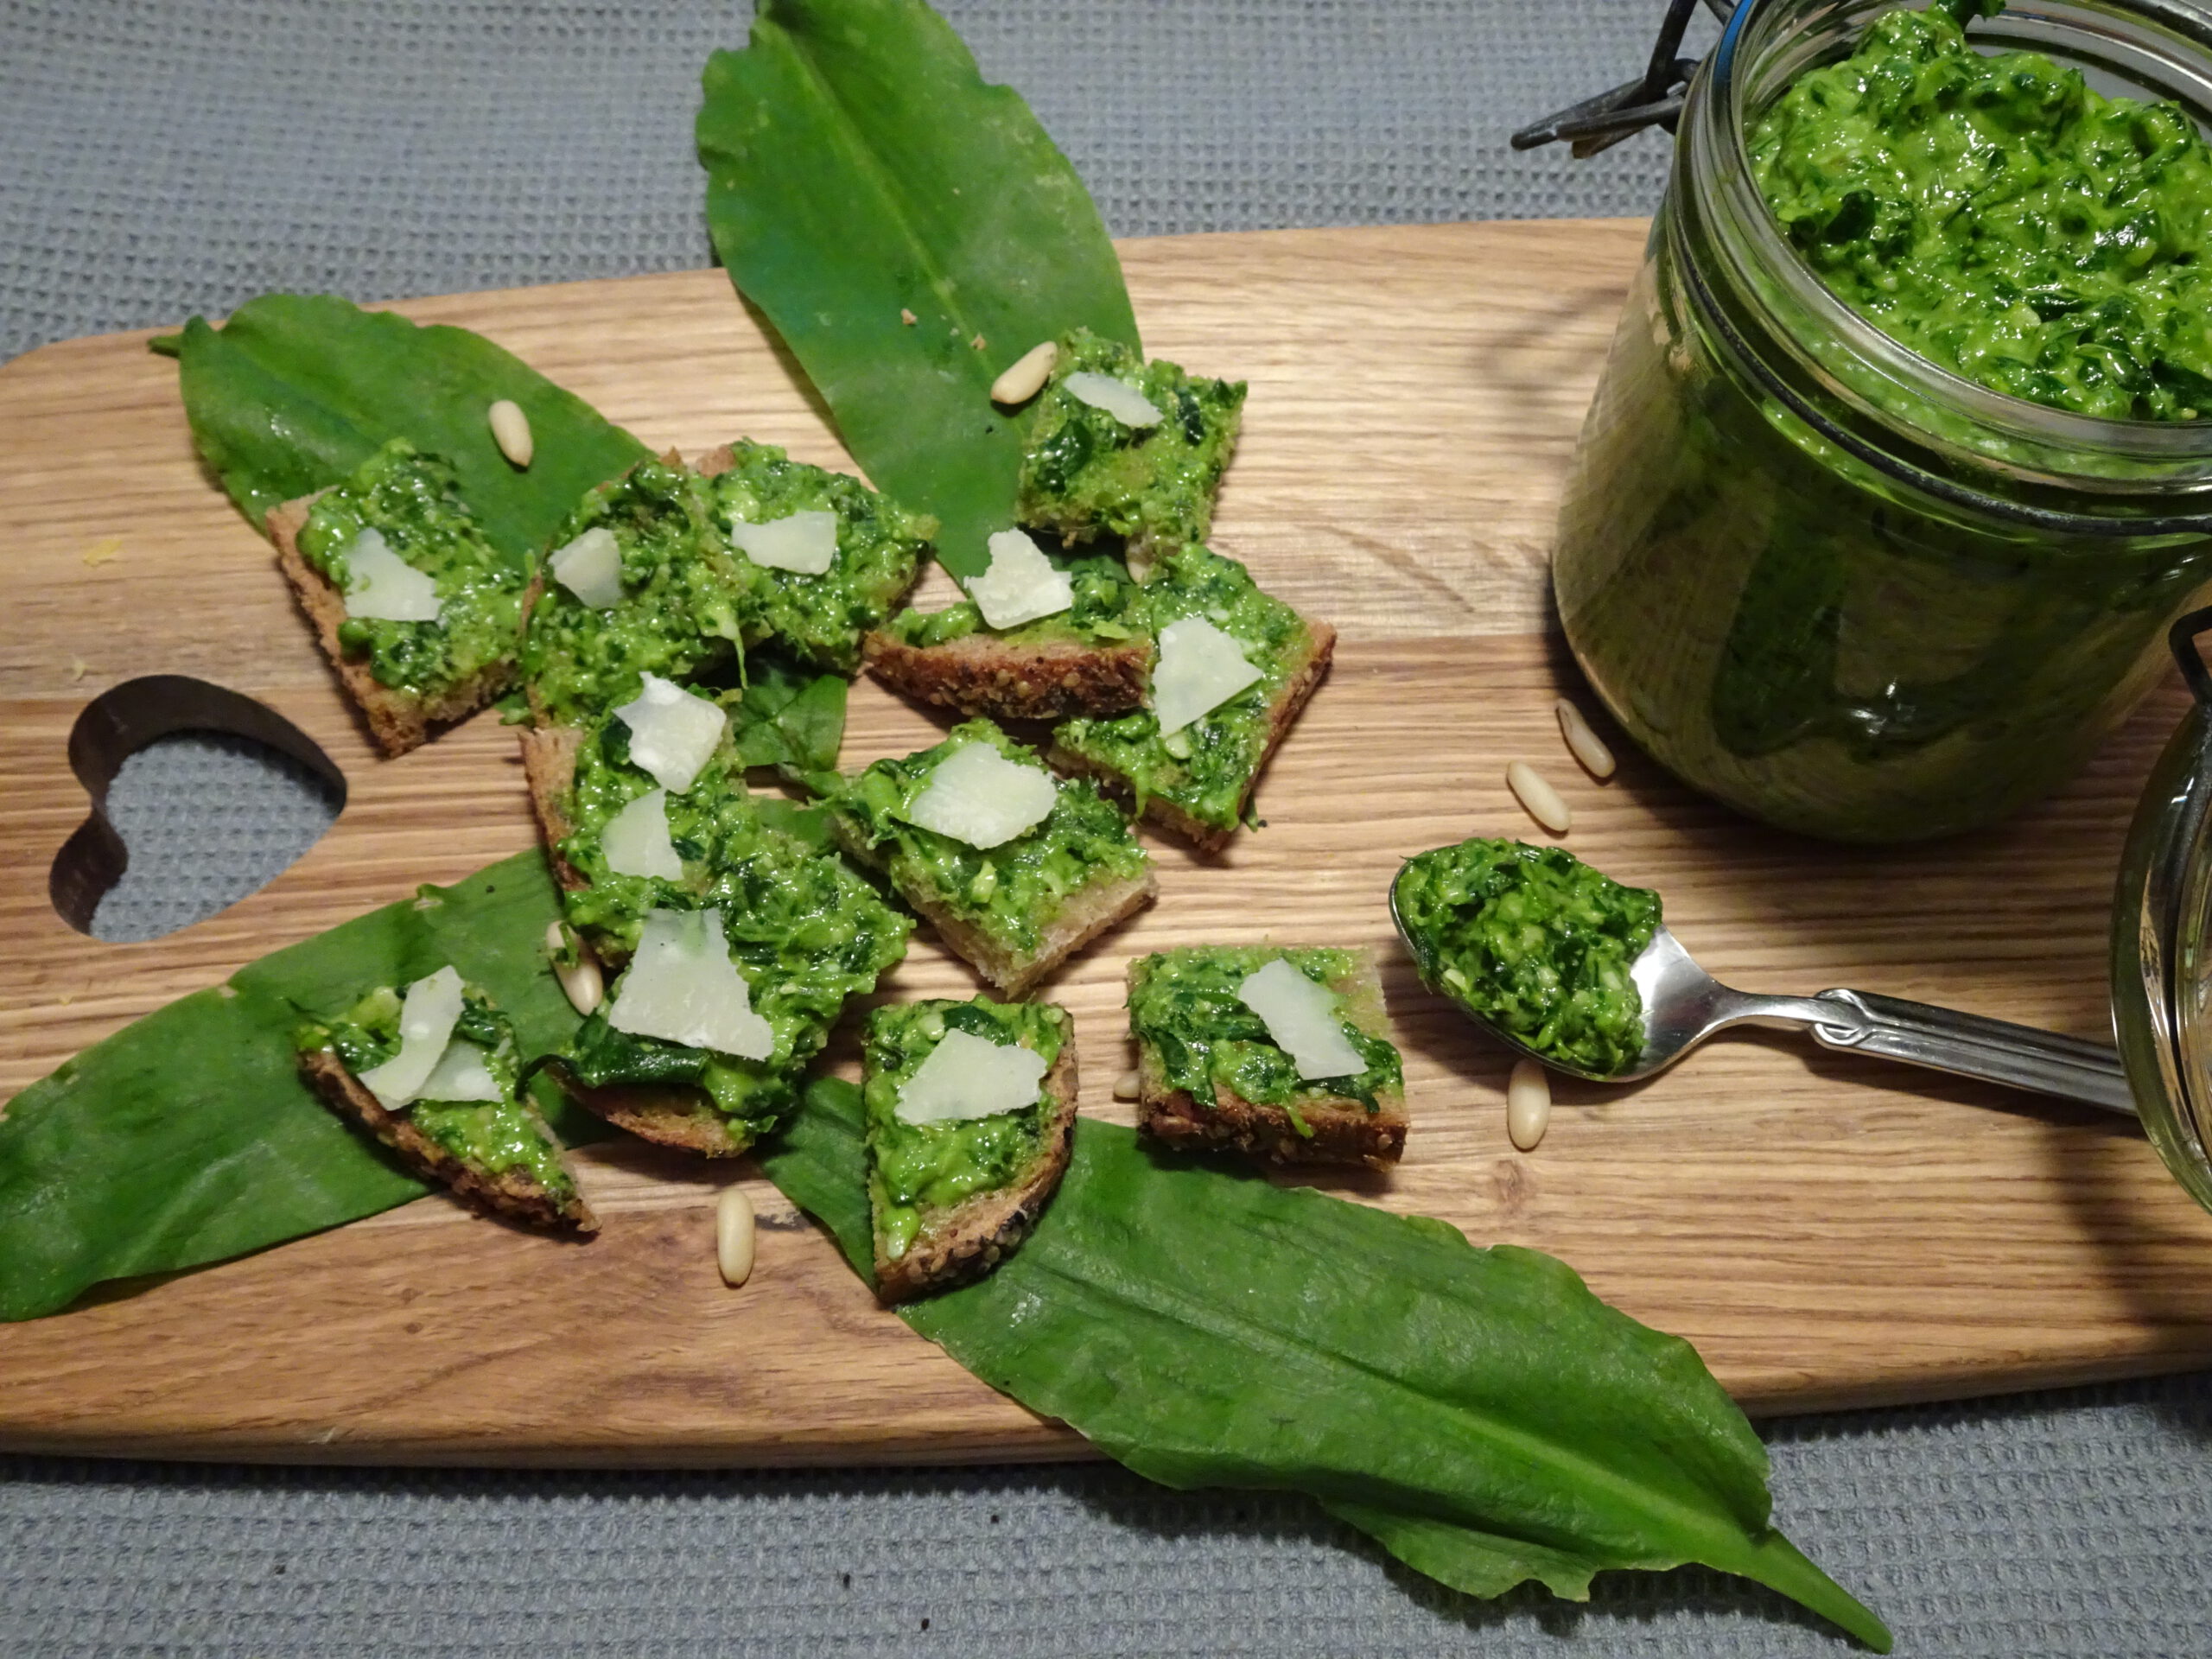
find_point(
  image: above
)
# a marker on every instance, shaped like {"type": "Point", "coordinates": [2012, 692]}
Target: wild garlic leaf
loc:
{"type": "Point", "coordinates": [858, 173]}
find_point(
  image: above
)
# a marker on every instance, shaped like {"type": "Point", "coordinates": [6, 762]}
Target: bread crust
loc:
{"type": "Point", "coordinates": [548, 767]}
{"type": "Point", "coordinates": [1343, 1130]}
{"type": "Point", "coordinates": [397, 720]}
{"type": "Point", "coordinates": [1283, 713]}
{"type": "Point", "coordinates": [980, 675]}
{"type": "Point", "coordinates": [679, 1116]}
{"type": "Point", "coordinates": [511, 1195]}
{"type": "Point", "coordinates": [969, 1240]}
{"type": "Point", "coordinates": [1088, 912]}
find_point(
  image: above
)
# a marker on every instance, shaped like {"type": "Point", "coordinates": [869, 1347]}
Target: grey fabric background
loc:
{"type": "Point", "coordinates": [158, 159]}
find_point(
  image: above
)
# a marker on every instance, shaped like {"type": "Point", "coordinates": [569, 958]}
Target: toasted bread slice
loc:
{"type": "Point", "coordinates": [397, 721]}
{"type": "Point", "coordinates": [1085, 913]}
{"type": "Point", "coordinates": [676, 1115]}
{"type": "Point", "coordinates": [509, 1195]}
{"type": "Point", "coordinates": [548, 767]}
{"type": "Point", "coordinates": [1306, 673]}
{"type": "Point", "coordinates": [1343, 1130]}
{"type": "Point", "coordinates": [1006, 679]}
{"type": "Point", "coordinates": [968, 1240]}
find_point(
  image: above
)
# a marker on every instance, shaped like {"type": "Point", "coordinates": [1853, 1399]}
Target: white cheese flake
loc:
{"type": "Point", "coordinates": [967, 1075]}
{"type": "Point", "coordinates": [462, 1074]}
{"type": "Point", "coordinates": [976, 795]}
{"type": "Point", "coordinates": [682, 987]}
{"type": "Point", "coordinates": [426, 1017]}
{"type": "Point", "coordinates": [1021, 584]}
{"type": "Point", "coordinates": [381, 587]}
{"type": "Point", "coordinates": [1117, 397]}
{"type": "Point", "coordinates": [1199, 669]}
{"type": "Point", "coordinates": [1301, 1016]}
{"type": "Point", "coordinates": [803, 541]}
{"type": "Point", "coordinates": [673, 733]}
{"type": "Point", "coordinates": [591, 568]}
{"type": "Point", "coordinates": [636, 840]}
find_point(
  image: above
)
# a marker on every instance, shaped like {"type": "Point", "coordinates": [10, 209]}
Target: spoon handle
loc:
{"type": "Point", "coordinates": [1993, 1050]}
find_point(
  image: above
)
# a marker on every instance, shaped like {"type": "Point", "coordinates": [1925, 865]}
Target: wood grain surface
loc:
{"type": "Point", "coordinates": [1826, 1228]}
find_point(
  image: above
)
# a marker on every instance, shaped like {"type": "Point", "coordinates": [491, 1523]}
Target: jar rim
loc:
{"type": "Point", "coordinates": [1727, 94]}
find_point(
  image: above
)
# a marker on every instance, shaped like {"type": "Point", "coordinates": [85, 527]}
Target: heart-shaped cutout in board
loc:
{"type": "Point", "coordinates": [219, 794]}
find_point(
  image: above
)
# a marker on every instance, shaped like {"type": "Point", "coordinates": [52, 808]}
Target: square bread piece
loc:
{"type": "Point", "coordinates": [962, 1157]}
{"type": "Point", "coordinates": [1204, 1053]}
{"type": "Point", "coordinates": [1122, 447]}
{"type": "Point", "coordinates": [407, 677]}
{"type": "Point", "coordinates": [1197, 779]}
{"type": "Point", "coordinates": [1022, 904]}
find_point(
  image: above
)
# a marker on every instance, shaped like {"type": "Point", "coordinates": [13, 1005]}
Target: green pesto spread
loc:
{"type": "Point", "coordinates": [880, 547]}
{"type": "Point", "coordinates": [1207, 768]}
{"type": "Point", "coordinates": [490, 1136]}
{"type": "Point", "coordinates": [413, 500]}
{"type": "Point", "coordinates": [916, 1170]}
{"type": "Point", "coordinates": [2002, 220]}
{"type": "Point", "coordinates": [805, 930]}
{"type": "Point", "coordinates": [684, 598]}
{"type": "Point", "coordinates": [1084, 471]}
{"type": "Point", "coordinates": [1187, 1017]}
{"type": "Point", "coordinates": [1010, 894]}
{"type": "Point", "coordinates": [1108, 609]}
{"type": "Point", "coordinates": [1534, 941]}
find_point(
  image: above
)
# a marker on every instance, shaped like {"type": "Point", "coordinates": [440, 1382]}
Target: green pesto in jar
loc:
{"type": "Point", "coordinates": [805, 930]}
{"type": "Point", "coordinates": [684, 598]}
{"type": "Point", "coordinates": [1187, 1017]}
{"type": "Point", "coordinates": [1010, 894]}
{"type": "Point", "coordinates": [880, 547]}
{"type": "Point", "coordinates": [1207, 768]}
{"type": "Point", "coordinates": [1084, 472]}
{"type": "Point", "coordinates": [414, 501]}
{"type": "Point", "coordinates": [1534, 941]}
{"type": "Point", "coordinates": [1109, 609]}
{"type": "Point", "coordinates": [2001, 219]}
{"type": "Point", "coordinates": [916, 1169]}
{"type": "Point", "coordinates": [492, 1137]}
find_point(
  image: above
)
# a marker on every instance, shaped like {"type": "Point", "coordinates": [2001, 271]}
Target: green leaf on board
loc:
{"type": "Point", "coordinates": [789, 717]}
{"type": "Point", "coordinates": [861, 172]}
{"type": "Point", "coordinates": [1478, 1412]}
{"type": "Point", "coordinates": [188, 1137]}
{"type": "Point", "coordinates": [295, 391]}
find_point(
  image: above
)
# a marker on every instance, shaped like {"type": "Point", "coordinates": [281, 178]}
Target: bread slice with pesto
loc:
{"type": "Point", "coordinates": [794, 933]}
{"type": "Point", "coordinates": [1016, 869]}
{"type": "Point", "coordinates": [417, 612]}
{"type": "Point", "coordinates": [1214, 627]}
{"type": "Point", "coordinates": [1090, 657]}
{"type": "Point", "coordinates": [1234, 1047]}
{"type": "Point", "coordinates": [969, 1107]}
{"type": "Point", "coordinates": [432, 1073]}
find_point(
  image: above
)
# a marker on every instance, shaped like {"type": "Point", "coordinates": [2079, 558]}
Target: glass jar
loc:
{"type": "Point", "coordinates": [1818, 577]}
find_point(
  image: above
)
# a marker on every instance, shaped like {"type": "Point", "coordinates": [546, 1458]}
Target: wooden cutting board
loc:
{"type": "Point", "coordinates": [1827, 1229]}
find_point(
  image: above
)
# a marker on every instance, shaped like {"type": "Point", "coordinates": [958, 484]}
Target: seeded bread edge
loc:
{"type": "Point", "coordinates": [1344, 1131]}
{"type": "Point", "coordinates": [397, 720]}
{"type": "Point", "coordinates": [969, 1240]}
{"type": "Point", "coordinates": [981, 675]}
{"type": "Point", "coordinates": [511, 1195]}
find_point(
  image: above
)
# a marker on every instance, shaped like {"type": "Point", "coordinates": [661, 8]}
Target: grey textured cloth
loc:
{"type": "Point", "coordinates": [156, 159]}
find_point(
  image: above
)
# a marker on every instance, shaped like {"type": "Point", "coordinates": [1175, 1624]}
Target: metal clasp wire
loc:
{"type": "Point", "coordinates": [1656, 100]}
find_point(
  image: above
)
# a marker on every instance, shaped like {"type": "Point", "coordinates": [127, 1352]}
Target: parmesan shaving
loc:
{"type": "Point", "coordinates": [1199, 669]}
{"type": "Point", "coordinates": [1117, 397]}
{"type": "Point", "coordinates": [682, 987]}
{"type": "Point", "coordinates": [803, 542]}
{"type": "Point", "coordinates": [673, 733]}
{"type": "Point", "coordinates": [381, 587]}
{"type": "Point", "coordinates": [1301, 1016]}
{"type": "Point", "coordinates": [967, 1075]}
{"type": "Point", "coordinates": [591, 568]}
{"type": "Point", "coordinates": [978, 795]}
{"type": "Point", "coordinates": [1021, 584]}
{"type": "Point", "coordinates": [461, 1074]}
{"type": "Point", "coordinates": [636, 840]}
{"type": "Point", "coordinates": [426, 1017]}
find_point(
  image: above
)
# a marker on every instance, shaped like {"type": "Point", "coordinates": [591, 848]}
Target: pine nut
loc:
{"type": "Point", "coordinates": [580, 979]}
{"type": "Point", "coordinates": [1129, 1086]}
{"type": "Point", "coordinates": [733, 1236]}
{"type": "Point", "coordinates": [1586, 745]}
{"type": "Point", "coordinates": [1541, 800]}
{"type": "Point", "coordinates": [1527, 1104]}
{"type": "Point", "coordinates": [511, 431]}
{"type": "Point", "coordinates": [1026, 376]}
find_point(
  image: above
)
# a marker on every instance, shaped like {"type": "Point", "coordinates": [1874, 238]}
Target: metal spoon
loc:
{"type": "Point", "coordinates": [1683, 1005]}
